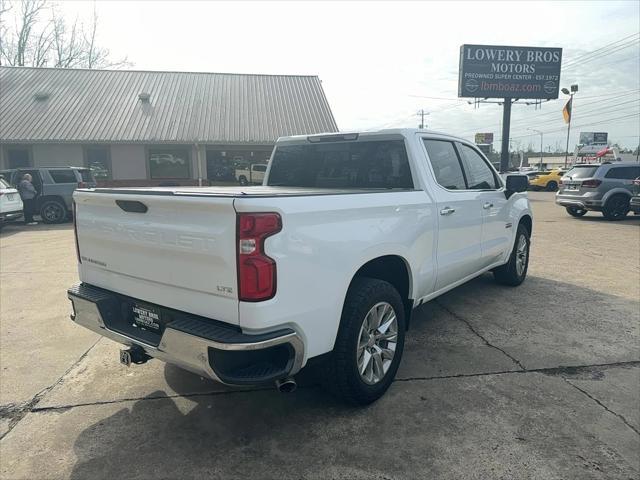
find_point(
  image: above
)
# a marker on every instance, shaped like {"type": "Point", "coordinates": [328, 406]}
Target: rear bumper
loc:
{"type": "Point", "coordinates": [585, 202]}
{"type": "Point", "coordinates": [11, 216]}
{"type": "Point", "coordinates": [203, 346]}
{"type": "Point", "coordinates": [634, 204]}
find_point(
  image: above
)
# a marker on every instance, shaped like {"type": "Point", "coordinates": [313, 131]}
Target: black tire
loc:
{"type": "Point", "coordinates": [243, 180]}
{"type": "Point", "coordinates": [617, 207]}
{"type": "Point", "coordinates": [53, 211]}
{"type": "Point", "coordinates": [340, 373]}
{"type": "Point", "coordinates": [552, 186]}
{"type": "Point", "coordinates": [510, 273]}
{"type": "Point", "coordinates": [576, 212]}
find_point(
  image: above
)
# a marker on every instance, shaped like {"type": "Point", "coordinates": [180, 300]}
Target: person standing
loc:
{"type": "Point", "coordinates": [28, 193]}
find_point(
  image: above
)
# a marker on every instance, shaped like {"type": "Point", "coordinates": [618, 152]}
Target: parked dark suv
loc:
{"type": "Point", "coordinates": [605, 188]}
{"type": "Point", "coordinates": [55, 186]}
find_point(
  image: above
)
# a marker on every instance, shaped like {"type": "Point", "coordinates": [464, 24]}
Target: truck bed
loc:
{"type": "Point", "coordinates": [235, 191]}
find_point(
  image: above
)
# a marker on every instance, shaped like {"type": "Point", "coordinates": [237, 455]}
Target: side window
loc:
{"type": "Point", "coordinates": [63, 176]}
{"type": "Point", "coordinates": [479, 174]}
{"type": "Point", "coordinates": [259, 168]}
{"type": "Point", "coordinates": [445, 163]}
{"type": "Point", "coordinates": [623, 173]}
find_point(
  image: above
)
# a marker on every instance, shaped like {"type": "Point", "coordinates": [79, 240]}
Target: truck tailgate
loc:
{"type": "Point", "coordinates": [179, 253]}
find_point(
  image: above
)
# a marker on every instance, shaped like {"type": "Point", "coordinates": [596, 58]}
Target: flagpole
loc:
{"type": "Point", "coordinates": [574, 89]}
{"type": "Point", "coordinates": [566, 152]}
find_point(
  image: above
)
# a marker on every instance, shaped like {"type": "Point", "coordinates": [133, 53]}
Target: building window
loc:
{"type": "Point", "coordinates": [98, 160]}
{"type": "Point", "coordinates": [18, 157]}
{"type": "Point", "coordinates": [169, 163]}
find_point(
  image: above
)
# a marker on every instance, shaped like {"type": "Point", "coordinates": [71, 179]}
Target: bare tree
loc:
{"type": "Point", "coordinates": [96, 56]}
{"type": "Point", "coordinates": [68, 47]}
{"type": "Point", "coordinates": [4, 8]}
{"type": "Point", "coordinates": [17, 45]}
{"type": "Point", "coordinates": [40, 40]}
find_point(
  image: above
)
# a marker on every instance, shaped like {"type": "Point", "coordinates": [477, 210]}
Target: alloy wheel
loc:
{"type": "Point", "coordinates": [522, 252]}
{"type": "Point", "coordinates": [52, 212]}
{"type": "Point", "coordinates": [377, 343]}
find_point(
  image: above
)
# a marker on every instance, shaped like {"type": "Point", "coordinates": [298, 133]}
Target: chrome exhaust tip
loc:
{"type": "Point", "coordinates": [286, 385]}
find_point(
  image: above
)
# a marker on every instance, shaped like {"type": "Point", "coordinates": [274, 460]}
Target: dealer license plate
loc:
{"type": "Point", "coordinates": [146, 318]}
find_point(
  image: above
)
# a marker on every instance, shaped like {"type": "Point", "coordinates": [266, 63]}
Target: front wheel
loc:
{"type": "Point", "coordinates": [616, 207]}
{"type": "Point", "coordinates": [514, 271]}
{"type": "Point", "coordinates": [369, 344]}
{"type": "Point", "coordinates": [576, 212]}
{"type": "Point", "coordinates": [53, 211]}
{"type": "Point", "coordinates": [552, 186]}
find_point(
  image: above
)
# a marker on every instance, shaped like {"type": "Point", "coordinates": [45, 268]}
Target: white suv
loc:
{"type": "Point", "coordinates": [10, 203]}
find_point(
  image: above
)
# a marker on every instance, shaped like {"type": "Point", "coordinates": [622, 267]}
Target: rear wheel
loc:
{"type": "Point", "coordinates": [369, 344]}
{"type": "Point", "coordinates": [514, 271]}
{"type": "Point", "coordinates": [552, 186]}
{"type": "Point", "coordinates": [53, 211]}
{"type": "Point", "coordinates": [243, 180]}
{"type": "Point", "coordinates": [576, 212]}
{"type": "Point", "coordinates": [616, 207]}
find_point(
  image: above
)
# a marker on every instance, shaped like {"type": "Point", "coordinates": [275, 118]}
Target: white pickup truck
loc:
{"type": "Point", "coordinates": [251, 175]}
{"type": "Point", "coordinates": [325, 261]}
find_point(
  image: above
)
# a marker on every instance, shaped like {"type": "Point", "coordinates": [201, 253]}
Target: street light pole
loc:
{"type": "Point", "coordinates": [539, 132]}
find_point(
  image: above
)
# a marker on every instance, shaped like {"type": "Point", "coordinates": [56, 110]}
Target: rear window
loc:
{"type": "Point", "coordinates": [582, 172]}
{"type": "Point", "coordinates": [63, 176]}
{"type": "Point", "coordinates": [87, 176]}
{"type": "Point", "coordinates": [365, 164]}
{"type": "Point", "coordinates": [4, 184]}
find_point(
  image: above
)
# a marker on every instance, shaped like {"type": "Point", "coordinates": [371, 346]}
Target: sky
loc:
{"type": "Point", "coordinates": [382, 62]}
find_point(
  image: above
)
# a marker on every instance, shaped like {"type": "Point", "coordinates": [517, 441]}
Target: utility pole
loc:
{"type": "Point", "coordinates": [422, 114]}
{"type": "Point", "coordinates": [506, 124]}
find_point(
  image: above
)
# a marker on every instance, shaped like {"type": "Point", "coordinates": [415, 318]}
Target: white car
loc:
{"type": "Point", "coordinates": [11, 208]}
{"type": "Point", "coordinates": [325, 262]}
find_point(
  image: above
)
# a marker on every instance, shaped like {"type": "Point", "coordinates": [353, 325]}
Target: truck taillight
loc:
{"type": "Point", "coordinates": [591, 183]}
{"type": "Point", "coordinates": [256, 271]}
{"type": "Point", "coordinates": [75, 231]}
{"type": "Point", "coordinates": [82, 185]}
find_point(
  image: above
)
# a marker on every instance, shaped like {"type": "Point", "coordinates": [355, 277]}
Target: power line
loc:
{"type": "Point", "coordinates": [602, 50]}
{"type": "Point", "coordinates": [608, 120]}
{"type": "Point", "coordinates": [545, 115]}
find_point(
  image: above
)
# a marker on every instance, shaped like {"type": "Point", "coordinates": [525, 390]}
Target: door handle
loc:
{"type": "Point", "coordinates": [487, 205]}
{"type": "Point", "coordinates": [447, 211]}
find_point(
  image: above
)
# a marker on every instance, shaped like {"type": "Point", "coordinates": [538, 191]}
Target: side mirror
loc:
{"type": "Point", "coordinates": [515, 184]}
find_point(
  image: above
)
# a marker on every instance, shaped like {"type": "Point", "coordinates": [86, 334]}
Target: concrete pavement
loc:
{"type": "Point", "coordinates": [540, 381]}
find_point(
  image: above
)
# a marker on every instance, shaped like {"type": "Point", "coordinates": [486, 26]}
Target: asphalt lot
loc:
{"type": "Point", "coordinates": [540, 381]}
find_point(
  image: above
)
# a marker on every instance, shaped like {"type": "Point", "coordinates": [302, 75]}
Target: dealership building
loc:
{"type": "Point", "coordinates": [149, 127]}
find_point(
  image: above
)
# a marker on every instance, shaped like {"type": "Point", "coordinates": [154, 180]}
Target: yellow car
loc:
{"type": "Point", "coordinates": [546, 180]}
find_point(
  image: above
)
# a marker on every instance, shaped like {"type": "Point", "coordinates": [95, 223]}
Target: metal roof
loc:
{"type": "Point", "coordinates": [73, 105]}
